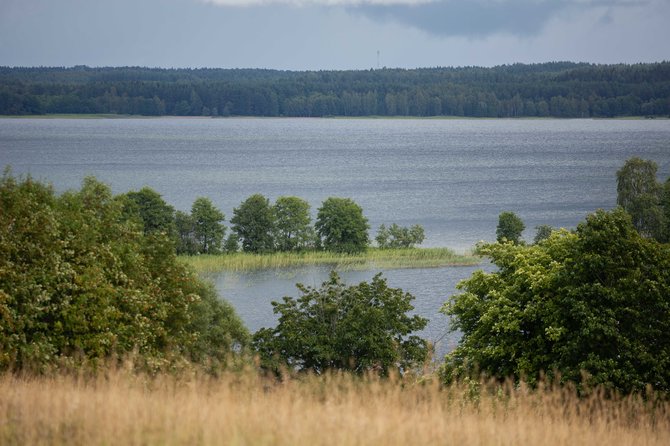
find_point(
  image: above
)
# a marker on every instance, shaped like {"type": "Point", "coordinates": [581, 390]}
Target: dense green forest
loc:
{"type": "Point", "coordinates": [556, 89]}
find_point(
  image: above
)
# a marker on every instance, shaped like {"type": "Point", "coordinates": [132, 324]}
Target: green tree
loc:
{"type": "Point", "coordinates": [79, 282]}
{"type": "Point", "coordinates": [510, 227]}
{"type": "Point", "coordinates": [185, 229]}
{"type": "Point", "coordinates": [208, 228]}
{"type": "Point", "coordinates": [361, 328]}
{"type": "Point", "coordinates": [292, 224]}
{"type": "Point", "coordinates": [399, 236]}
{"type": "Point", "coordinates": [639, 194]}
{"type": "Point", "coordinates": [341, 226]}
{"type": "Point", "coordinates": [254, 224]}
{"type": "Point", "coordinates": [542, 233]}
{"type": "Point", "coordinates": [382, 237]}
{"type": "Point", "coordinates": [155, 213]}
{"type": "Point", "coordinates": [665, 204]}
{"type": "Point", "coordinates": [591, 305]}
{"type": "Point", "coordinates": [232, 243]}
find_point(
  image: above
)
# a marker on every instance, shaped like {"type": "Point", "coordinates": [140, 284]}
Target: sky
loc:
{"type": "Point", "coordinates": [330, 34]}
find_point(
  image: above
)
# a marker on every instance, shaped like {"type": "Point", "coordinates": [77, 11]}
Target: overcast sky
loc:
{"type": "Point", "coordinates": [330, 34]}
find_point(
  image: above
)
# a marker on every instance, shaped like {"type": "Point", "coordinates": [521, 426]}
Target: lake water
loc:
{"type": "Point", "coordinates": [454, 177]}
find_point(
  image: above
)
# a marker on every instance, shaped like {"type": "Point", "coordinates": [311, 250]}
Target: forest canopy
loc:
{"type": "Point", "coordinates": [556, 89]}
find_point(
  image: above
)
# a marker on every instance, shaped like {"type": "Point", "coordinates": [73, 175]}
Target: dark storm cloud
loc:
{"type": "Point", "coordinates": [480, 18]}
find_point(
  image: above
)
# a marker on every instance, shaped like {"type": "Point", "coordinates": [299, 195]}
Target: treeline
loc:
{"type": "Point", "coordinates": [259, 226]}
{"type": "Point", "coordinates": [557, 89]}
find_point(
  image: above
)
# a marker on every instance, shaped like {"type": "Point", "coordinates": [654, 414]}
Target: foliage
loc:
{"type": "Point", "coordinates": [208, 229]}
{"type": "Point", "coordinates": [639, 194]}
{"type": "Point", "coordinates": [399, 236]}
{"type": "Point", "coordinates": [341, 226]}
{"type": "Point", "coordinates": [665, 203]}
{"type": "Point", "coordinates": [185, 229]}
{"type": "Point", "coordinates": [361, 328]}
{"type": "Point", "coordinates": [232, 243]}
{"type": "Point", "coordinates": [254, 224]}
{"type": "Point", "coordinates": [510, 227]}
{"type": "Point", "coordinates": [557, 89]}
{"type": "Point", "coordinates": [591, 306]}
{"type": "Point", "coordinates": [79, 280]}
{"type": "Point", "coordinates": [542, 233]}
{"type": "Point", "coordinates": [155, 213]}
{"type": "Point", "coordinates": [292, 224]}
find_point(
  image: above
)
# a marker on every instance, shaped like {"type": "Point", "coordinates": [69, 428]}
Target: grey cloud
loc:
{"type": "Point", "coordinates": [481, 18]}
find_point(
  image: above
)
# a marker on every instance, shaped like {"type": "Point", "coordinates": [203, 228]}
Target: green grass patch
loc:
{"type": "Point", "coordinates": [372, 258]}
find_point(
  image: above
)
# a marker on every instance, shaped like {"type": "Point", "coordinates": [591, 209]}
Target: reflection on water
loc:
{"type": "Point", "coordinates": [251, 293]}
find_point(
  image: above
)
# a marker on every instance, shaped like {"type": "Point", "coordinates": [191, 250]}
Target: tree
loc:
{"type": "Point", "coordinates": [360, 328]}
{"type": "Point", "coordinates": [208, 228]}
{"type": "Point", "coordinates": [156, 214]}
{"type": "Point", "coordinates": [665, 203]}
{"type": "Point", "coordinates": [254, 224]}
{"type": "Point", "coordinates": [341, 226]}
{"type": "Point", "coordinates": [292, 224]}
{"type": "Point", "coordinates": [639, 194]}
{"type": "Point", "coordinates": [591, 305]}
{"type": "Point", "coordinates": [185, 229]}
{"type": "Point", "coordinates": [510, 227]}
{"type": "Point", "coordinates": [399, 236]}
{"type": "Point", "coordinates": [79, 282]}
{"type": "Point", "coordinates": [542, 233]}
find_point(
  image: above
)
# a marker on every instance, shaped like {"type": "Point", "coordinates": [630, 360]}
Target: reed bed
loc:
{"type": "Point", "coordinates": [372, 258]}
{"type": "Point", "coordinates": [244, 409]}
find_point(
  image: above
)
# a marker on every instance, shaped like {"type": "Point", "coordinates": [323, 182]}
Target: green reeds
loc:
{"type": "Point", "coordinates": [372, 258]}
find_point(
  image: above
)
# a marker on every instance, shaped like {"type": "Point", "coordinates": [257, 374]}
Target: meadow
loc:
{"type": "Point", "coordinates": [372, 258]}
{"type": "Point", "coordinates": [120, 407]}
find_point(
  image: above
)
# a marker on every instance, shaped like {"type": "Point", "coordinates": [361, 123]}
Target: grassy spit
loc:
{"type": "Point", "coordinates": [372, 258]}
{"type": "Point", "coordinates": [245, 409]}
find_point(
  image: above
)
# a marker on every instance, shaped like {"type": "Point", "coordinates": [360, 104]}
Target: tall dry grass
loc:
{"type": "Point", "coordinates": [372, 258]}
{"type": "Point", "coordinates": [243, 409]}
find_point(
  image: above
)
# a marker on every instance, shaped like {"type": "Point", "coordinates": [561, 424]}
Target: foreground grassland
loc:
{"type": "Point", "coordinates": [372, 258]}
{"type": "Point", "coordinates": [120, 408]}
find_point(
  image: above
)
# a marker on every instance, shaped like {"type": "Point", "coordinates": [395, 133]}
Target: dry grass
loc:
{"type": "Point", "coordinates": [244, 409]}
{"type": "Point", "coordinates": [372, 258]}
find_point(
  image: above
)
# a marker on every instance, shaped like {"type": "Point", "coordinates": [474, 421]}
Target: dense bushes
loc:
{"type": "Point", "coordinates": [591, 305]}
{"type": "Point", "coordinates": [82, 277]}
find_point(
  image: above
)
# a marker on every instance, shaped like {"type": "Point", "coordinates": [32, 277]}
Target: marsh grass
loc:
{"type": "Point", "coordinates": [372, 258]}
{"type": "Point", "coordinates": [246, 409]}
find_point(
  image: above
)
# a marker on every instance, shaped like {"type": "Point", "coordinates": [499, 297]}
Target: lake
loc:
{"type": "Point", "coordinates": [453, 176]}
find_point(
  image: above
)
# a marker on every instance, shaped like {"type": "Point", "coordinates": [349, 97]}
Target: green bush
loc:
{"type": "Point", "coordinates": [79, 278]}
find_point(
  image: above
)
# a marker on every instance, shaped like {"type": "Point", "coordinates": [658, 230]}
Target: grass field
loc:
{"type": "Point", "coordinates": [379, 258]}
{"type": "Point", "coordinates": [121, 408]}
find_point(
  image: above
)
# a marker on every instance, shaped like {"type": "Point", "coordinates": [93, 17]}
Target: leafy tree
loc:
{"type": "Point", "coordinates": [232, 243]}
{"type": "Point", "coordinates": [542, 233]}
{"type": "Point", "coordinates": [361, 328]}
{"type": "Point", "coordinates": [510, 227]}
{"type": "Point", "coordinates": [639, 194]}
{"type": "Point", "coordinates": [341, 226]}
{"type": "Point", "coordinates": [399, 237]}
{"type": "Point", "coordinates": [254, 224]}
{"type": "Point", "coordinates": [155, 213]}
{"type": "Point", "coordinates": [382, 237]}
{"type": "Point", "coordinates": [185, 229]}
{"type": "Point", "coordinates": [593, 301]}
{"type": "Point", "coordinates": [292, 224]}
{"type": "Point", "coordinates": [79, 281]}
{"type": "Point", "coordinates": [665, 203]}
{"type": "Point", "coordinates": [208, 228]}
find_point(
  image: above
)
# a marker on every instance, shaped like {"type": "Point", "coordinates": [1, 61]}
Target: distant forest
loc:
{"type": "Point", "coordinates": [557, 89]}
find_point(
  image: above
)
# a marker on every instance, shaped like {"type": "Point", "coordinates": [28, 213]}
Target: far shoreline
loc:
{"type": "Point", "coordinates": [370, 117]}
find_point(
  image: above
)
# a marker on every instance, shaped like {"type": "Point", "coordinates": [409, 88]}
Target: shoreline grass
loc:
{"type": "Point", "coordinates": [334, 409]}
{"type": "Point", "coordinates": [371, 259]}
